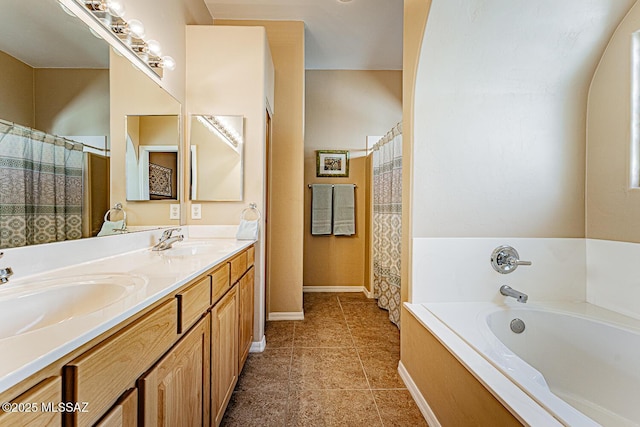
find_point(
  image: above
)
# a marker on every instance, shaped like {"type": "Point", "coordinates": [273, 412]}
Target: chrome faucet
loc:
{"type": "Point", "coordinates": [505, 259]}
{"type": "Point", "coordinates": [5, 273]}
{"type": "Point", "coordinates": [508, 291]}
{"type": "Point", "coordinates": [167, 239]}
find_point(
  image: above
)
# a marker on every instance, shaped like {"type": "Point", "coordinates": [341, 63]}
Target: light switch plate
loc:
{"type": "Point", "coordinates": [196, 211]}
{"type": "Point", "coordinates": [174, 211]}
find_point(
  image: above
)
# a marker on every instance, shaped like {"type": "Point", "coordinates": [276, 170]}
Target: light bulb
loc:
{"type": "Point", "coordinates": [136, 28]}
{"type": "Point", "coordinates": [168, 62]}
{"type": "Point", "coordinates": [154, 48]}
{"type": "Point", "coordinates": [115, 8]}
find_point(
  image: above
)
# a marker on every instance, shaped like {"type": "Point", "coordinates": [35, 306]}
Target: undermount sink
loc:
{"type": "Point", "coordinates": [40, 304]}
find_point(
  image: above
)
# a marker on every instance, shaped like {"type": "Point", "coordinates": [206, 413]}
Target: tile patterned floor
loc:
{"type": "Point", "coordinates": [338, 367]}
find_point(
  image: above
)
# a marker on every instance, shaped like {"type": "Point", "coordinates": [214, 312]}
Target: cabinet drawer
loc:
{"type": "Point", "coordinates": [48, 391]}
{"type": "Point", "coordinates": [238, 266]}
{"type": "Point", "coordinates": [251, 255]}
{"type": "Point", "coordinates": [102, 374]}
{"type": "Point", "coordinates": [219, 282]}
{"type": "Point", "coordinates": [193, 302]}
{"type": "Point", "coordinates": [124, 413]}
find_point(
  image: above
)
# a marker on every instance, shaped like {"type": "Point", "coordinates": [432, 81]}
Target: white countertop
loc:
{"type": "Point", "coordinates": [161, 272]}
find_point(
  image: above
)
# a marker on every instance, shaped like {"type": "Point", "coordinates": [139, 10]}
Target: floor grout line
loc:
{"type": "Point", "coordinates": [323, 310]}
{"type": "Point", "coordinates": [364, 371]}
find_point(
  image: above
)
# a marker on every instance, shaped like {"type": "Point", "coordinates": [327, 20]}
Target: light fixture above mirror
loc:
{"type": "Point", "coordinates": [127, 36]}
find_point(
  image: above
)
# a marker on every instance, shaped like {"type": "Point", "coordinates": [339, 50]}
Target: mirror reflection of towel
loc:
{"type": "Point", "coordinates": [344, 219]}
{"type": "Point", "coordinates": [111, 227]}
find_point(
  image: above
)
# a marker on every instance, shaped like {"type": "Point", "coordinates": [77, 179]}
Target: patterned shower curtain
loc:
{"type": "Point", "coordinates": [387, 221]}
{"type": "Point", "coordinates": [40, 187]}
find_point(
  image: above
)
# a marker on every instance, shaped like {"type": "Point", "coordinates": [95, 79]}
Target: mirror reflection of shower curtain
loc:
{"type": "Point", "coordinates": [387, 222]}
{"type": "Point", "coordinates": [40, 187]}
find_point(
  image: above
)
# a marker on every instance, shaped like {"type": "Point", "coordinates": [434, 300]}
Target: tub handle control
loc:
{"type": "Point", "coordinates": [505, 259]}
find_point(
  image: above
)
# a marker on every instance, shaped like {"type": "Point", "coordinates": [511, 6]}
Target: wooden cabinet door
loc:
{"type": "Point", "coordinates": [224, 353]}
{"type": "Point", "coordinates": [47, 392]}
{"type": "Point", "coordinates": [246, 316]}
{"type": "Point", "coordinates": [175, 392]}
{"type": "Point", "coordinates": [124, 413]}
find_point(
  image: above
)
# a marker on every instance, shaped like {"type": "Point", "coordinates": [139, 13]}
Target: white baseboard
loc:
{"type": "Point", "coordinates": [424, 407]}
{"type": "Point", "coordinates": [283, 315]}
{"type": "Point", "coordinates": [258, 346]}
{"type": "Point", "coordinates": [336, 289]}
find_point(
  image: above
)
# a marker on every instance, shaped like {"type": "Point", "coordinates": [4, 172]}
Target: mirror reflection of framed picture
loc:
{"type": "Point", "coordinates": [332, 163]}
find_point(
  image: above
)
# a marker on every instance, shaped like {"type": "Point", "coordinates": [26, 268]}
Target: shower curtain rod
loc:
{"type": "Point", "coordinates": [333, 185]}
{"type": "Point", "coordinates": [396, 130]}
{"type": "Point", "coordinates": [12, 124]}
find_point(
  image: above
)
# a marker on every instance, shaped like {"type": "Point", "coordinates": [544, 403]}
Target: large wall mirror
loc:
{"type": "Point", "coordinates": [57, 124]}
{"type": "Point", "coordinates": [217, 147]}
{"type": "Point", "coordinates": [152, 165]}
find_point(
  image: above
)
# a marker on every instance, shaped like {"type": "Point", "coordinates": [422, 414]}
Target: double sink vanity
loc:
{"type": "Point", "coordinates": [138, 337]}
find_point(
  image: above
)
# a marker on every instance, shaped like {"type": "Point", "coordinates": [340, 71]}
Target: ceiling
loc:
{"type": "Point", "coordinates": [357, 35]}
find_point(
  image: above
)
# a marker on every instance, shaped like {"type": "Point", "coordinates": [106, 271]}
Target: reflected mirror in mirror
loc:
{"type": "Point", "coordinates": [55, 82]}
{"type": "Point", "coordinates": [152, 157]}
{"type": "Point", "coordinates": [216, 145]}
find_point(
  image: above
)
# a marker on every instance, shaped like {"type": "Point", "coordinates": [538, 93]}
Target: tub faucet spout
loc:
{"type": "Point", "coordinates": [5, 273]}
{"type": "Point", "coordinates": [508, 291]}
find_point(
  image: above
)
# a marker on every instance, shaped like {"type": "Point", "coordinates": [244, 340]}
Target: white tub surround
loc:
{"type": "Point", "coordinates": [613, 272]}
{"type": "Point", "coordinates": [128, 255]}
{"type": "Point", "coordinates": [576, 360]}
{"type": "Point", "coordinates": [459, 269]}
{"type": "Point", "coordinates": [509, 394]}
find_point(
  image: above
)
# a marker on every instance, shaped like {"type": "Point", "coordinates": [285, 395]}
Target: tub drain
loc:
{"type": "Point", "coordinates": [517, 326]}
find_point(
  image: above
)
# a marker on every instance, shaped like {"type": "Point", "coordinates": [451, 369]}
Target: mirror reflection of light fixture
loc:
{"type": "Point", "coordinates": [113, 7]}
{"type": "Point", "coordinates": [166, 62]}
{"type": "Point", "coordinates": [227, 134]}
{"type": "Point", "coordinates": [110, 14]}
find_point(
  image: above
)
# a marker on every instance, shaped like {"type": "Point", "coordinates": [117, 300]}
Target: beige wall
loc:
{"type": "Point", "coordinates": [500, 143]}
{"type": "Point", "coordinates": [164, 21]}
{"type": "Point", "coordinates": [72, 101]}
{"type": "Point", "coordinates": [415, 21]}
{"type": "Point", "coordinates": [342, 109]}
{"type": "Point", "coordinates": [133, 131]}
{"type": "Point", "coordinates": [16, 91]}
{"type": "Point", "coordinates": [133, 93]}
{"type": "Point", "coordinates": [219, 86]}
{"type": "Point", "coordinates": [160, 130]}
{"type": "Point", "coordinates": [284, 269]}
{"type": "Point", "coordinates": [613, 208]}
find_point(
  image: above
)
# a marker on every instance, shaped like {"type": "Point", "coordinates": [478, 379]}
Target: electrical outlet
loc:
{"type": "Point", "coordinates": [174, 211]}
{"type": "Point", "coordinates": [196, 211]}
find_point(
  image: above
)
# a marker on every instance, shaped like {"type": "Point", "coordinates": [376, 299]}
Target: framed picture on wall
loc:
{"type": "Point", "coordinates": [332, 163]}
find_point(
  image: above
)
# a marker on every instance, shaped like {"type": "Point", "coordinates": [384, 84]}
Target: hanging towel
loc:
{"type": "Point", "coordinates": [321, 208]}
{"type": "Point", "coordinates": [344, 219]}
{"type": "Point", "coordinates": [109, 228]}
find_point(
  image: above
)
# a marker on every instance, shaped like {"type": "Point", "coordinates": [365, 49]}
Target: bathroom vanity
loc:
{"type": "Point", "coordinates": [171, 358]}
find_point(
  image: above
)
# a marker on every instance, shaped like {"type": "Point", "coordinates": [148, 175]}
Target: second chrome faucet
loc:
{"type": "Point", "coordinates": [505, 260]}
{"type": "Point", "coordinates": [167, 239]}
{"type": "Point", "coordinates": [508, 291]}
